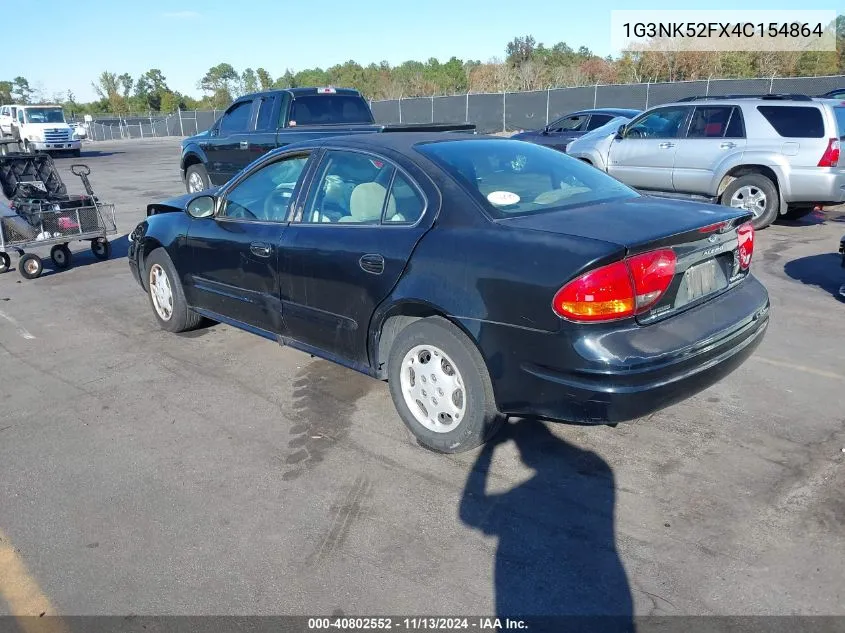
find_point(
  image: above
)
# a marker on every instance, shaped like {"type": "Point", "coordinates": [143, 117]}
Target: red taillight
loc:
{"type": "Point", "coordinates": [830, 158]}
{"type": "Point", "coordinates": [618, 290]}
{"type": "Point", "coordinates": [745, 237]}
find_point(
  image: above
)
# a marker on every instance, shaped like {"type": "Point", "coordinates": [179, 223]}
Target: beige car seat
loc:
{"type": "Point", "coordinates": [365, 204]}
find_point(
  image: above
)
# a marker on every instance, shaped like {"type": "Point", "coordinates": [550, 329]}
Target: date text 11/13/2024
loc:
{"type": "Point", "coordinates": [416, 624]}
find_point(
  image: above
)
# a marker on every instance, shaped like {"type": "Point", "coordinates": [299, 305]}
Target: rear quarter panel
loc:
{"type": "Point", "coordinates": [497, 275]}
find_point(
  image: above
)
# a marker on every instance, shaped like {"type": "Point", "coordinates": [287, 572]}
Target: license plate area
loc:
{"type": "Point", "coordinates": [701, 280]}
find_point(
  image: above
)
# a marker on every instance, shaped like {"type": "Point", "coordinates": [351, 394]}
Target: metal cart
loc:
{"type": "Point", "coordinates": [43, 214]}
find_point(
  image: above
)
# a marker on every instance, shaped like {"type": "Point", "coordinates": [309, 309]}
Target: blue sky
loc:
{"type": "Point", "coordinates": [184, 39]}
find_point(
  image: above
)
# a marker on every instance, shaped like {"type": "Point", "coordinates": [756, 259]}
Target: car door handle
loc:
{"type": "Point", "coordinates": [666, 145]}
{"type": "Point", "coordinates": [372, 263]}
{"type": "Point", "coordinates": [260, 249]}
{"type": "Point", "coordinates": [727, 145]}
{"type": "Point", "coordinates": [244, 144]}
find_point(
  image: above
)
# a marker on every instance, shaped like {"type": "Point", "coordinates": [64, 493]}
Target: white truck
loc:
{"type": "Point", "coordinates": [39, 128]}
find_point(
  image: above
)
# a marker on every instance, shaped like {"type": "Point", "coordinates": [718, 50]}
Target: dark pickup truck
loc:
{"type": "Point", "coordinates": [257, 123]}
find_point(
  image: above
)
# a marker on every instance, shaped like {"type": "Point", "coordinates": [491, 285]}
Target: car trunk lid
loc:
{"type": "Point", "coordinates": [702, 236]}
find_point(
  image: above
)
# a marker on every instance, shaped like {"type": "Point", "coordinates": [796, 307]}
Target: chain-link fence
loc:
{"type": "Point", "coordinates": [492, 112]}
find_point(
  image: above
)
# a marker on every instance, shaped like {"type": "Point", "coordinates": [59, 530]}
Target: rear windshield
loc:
{"type": "Point", "coordinates": [794, 121]}
{"type": "Point", "coordinates": [511, 178]}
{"type": "Point", "coordinates": [840, 122]}
{"type": "Point", "coordinates": [325, 109]}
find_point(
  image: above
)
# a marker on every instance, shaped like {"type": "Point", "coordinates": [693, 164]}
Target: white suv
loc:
{"type": "Point", "coordinates": [772, 154]}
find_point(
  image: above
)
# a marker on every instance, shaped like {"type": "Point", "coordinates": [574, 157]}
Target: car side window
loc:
{"type": "Point", "coordinates": [265, 112]}
{"type": "Point", "coordinates": [597, 120]}
{"type": "Point", "coordinates": [20, 117]}
{"type": "Point", "coordinates": [404, 204]}
{"type": "Point", "coordinates": [710, 121]}
{"type": "Point", "coordinates": [660, 123]}
{"type": "Point", "coordinates": [236, 118]}
{"type": "Point", "coordinates": [267, 194]}
{"type": "Point", "coordinates": [350, 188]}
{"type": "Point", "coordinates": [572, 123]}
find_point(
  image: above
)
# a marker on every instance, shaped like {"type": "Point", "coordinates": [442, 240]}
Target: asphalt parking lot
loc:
{"type": "Point", "coordinates": [217, 473]}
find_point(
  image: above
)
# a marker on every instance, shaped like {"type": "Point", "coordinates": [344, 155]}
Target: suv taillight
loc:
{"type": "Point", "coordinates": [745, 250]}
{"type": "Point", "coordinates": [830, 158]}
{"type": "Point", "coordinates": [619, 290]}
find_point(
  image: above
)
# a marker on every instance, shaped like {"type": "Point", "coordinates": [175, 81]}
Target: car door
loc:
{"type": "Point", "coordinates": [714, 134]}
{"type": "Point", "coordinates": [263, 139]}
{"type": "Point", "coordinates": [227, 147]}
{"type": "Point", "coordinates": [234, 255]}
{"type": "Point", "coordinates": [347, 248]}
{"type": "Point", "coordinates": [643, 158]}
{"type": "Point", "coordinates": [5, 120]}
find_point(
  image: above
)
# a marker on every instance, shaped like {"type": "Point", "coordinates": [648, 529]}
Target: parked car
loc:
{"type": "Point", "coordinates": [256, 123]}
{"type": "Point", "coordinates": [839, 93]}
{"type": "Point", "coordinates": [842, 253]}
{"type": "Point", "coordinates": [593, 146]}
{"type": "Point", "coordinates": [476, 291]}
{"type": "Point", "coordinates": [773, 155]}
{"type": "Point", "coordinates": [562, 131]}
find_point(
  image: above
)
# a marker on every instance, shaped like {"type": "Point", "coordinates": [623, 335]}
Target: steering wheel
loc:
{"type": "Point", "coordinates": [277, 203]}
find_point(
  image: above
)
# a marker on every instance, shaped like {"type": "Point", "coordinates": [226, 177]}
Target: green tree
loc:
{"type": "Point", "coordinates": [264, 79]}
{"type": "Point", "coordinates": [21, 92]}
{"type": "Point", "coordinates": [249, 81]}
{"type": "Point", "coordinates": [221, 81]}
{"type": "Point", "coordinates": [520, 49]}
{"type": "Point", "coordinates": [6, 91]}
{"type": "Point", "coordinates": [108, 87]}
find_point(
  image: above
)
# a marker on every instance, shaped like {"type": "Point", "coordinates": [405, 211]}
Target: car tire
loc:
{"type": "Point", "coordinates": [30, 266]}
{"type": "Point", "coordinates": [472, 403]}
{"type": "Point", "coordinates": [194, 174]}
{"type": "Point", "coordinates": [749, 187]}
{"type": "Point", "coordinates": [180, 318]}
{"type": "Point", "coordinates": [796, 213]}
{"type": "Point", "coordinates": [5, 262]}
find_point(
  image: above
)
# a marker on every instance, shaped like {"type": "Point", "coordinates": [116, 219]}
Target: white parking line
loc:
{"type": "Point", "coordinates": [21, 329]}
{"type": "Point", "coordinates": [804, 368]}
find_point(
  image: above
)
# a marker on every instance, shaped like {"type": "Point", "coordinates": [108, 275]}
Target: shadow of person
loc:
{"type": "Point", "coordinates": [556, 553]}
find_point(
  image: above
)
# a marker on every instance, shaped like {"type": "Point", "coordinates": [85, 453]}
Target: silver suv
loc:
{"type": "Point", "coordinates": [771, 154]}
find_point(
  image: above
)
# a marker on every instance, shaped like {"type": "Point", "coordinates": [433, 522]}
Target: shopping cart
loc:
{"type": "Point", "coordinates": [42, 213]}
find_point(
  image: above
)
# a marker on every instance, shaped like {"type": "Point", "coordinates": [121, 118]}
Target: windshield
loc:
{"type": "Point", "coordinates": [44, 115]}
{"type": "Point", "coordinates": [511, 178]}
{"type": "Point", "coordinates": [324, 109]}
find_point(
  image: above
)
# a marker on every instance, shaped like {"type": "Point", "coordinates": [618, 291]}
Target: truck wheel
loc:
{"type": "Point", "coordinates": [196, 178]}
{"type": "Point", "coordinates": [30, 266]}
{"type": "Point", "coordinates": [441, 387]}
{"type": "Point", "coordinates": [754, 193]}
{"type": "Point", "coordinates": [166, 295]}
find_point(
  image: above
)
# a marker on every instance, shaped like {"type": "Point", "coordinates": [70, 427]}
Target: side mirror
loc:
{"type": "Point", "coordinates": [201, 207]}
{"type": "Point", "coordinates": [620, 132]}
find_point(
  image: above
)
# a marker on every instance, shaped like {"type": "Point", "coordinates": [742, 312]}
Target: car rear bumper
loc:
{"type": "Point", "coordinates": [822, 185]}
{"type": "Point", "coordinates": [628, 374]}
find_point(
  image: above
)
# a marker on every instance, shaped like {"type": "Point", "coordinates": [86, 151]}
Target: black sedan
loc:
{"type": "Point", "coordinates": [561, 132]}
{"type": "Point", "coordinates": [477, 289]}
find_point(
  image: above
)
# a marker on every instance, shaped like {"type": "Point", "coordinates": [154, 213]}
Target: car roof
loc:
{"type": "Point", "coordinates": [602, 111]}
{"type": "Point", "coordinates": [402, 142]}
{"type": "Point", "coordinates": [302, 92]}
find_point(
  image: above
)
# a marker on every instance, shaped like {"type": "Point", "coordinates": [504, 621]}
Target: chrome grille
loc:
{"type": "Point", "coordinates": [56, 135]}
